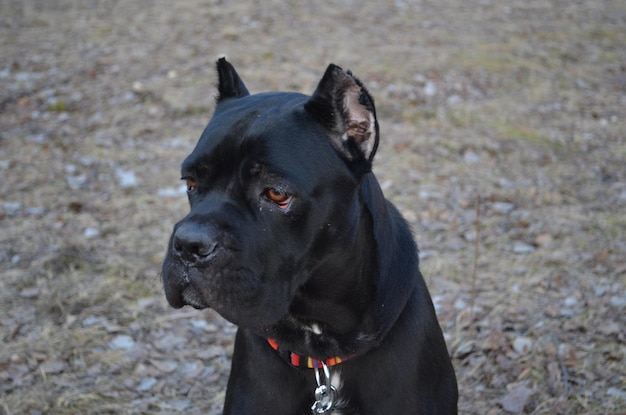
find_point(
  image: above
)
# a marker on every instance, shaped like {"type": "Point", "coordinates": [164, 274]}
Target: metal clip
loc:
{"type": "Point", "coordinates": [325, 393]}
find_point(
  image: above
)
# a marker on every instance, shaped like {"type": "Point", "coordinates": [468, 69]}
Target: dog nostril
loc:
{"type": "Point", "coordinates": [178, 247]}
{"type": "Point", "coordinates": [204, 250]}
{"type": "Point", "coordinates": [193, 243]}
{"type": "Point", "coordinates": [197, 249]}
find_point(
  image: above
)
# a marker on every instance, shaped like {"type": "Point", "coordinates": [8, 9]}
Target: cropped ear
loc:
{"type": "Point", "coordinates": [230, 84]}
{"type": "Point", "coordinates": [345, 108]}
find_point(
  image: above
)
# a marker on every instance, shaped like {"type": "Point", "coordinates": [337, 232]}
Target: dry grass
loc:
{"type": "Point", "coordinates": [522, 105]}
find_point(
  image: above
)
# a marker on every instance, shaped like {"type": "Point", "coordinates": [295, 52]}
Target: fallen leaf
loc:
{"type": "Point", "coordinates": [543, 240]}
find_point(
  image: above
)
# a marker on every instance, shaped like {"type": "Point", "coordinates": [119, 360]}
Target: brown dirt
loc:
{"type": "Point", "coordinates": [503, 143]}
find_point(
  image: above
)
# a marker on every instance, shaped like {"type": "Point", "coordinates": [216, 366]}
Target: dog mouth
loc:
{"type": "Point", "coordinates": [178, 290]}
{"type": "Point", "coordinates": [237, 293]}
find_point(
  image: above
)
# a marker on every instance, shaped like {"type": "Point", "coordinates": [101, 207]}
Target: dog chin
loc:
{"type": "Point", "coordinates": [191, 298]}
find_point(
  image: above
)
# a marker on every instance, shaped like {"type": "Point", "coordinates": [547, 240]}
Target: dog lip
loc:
{"type": "Point", "coordinates": [198, 307]}
{"type": "Point", "coordinates": [174, 299]}
{"type": "Point", "coordinates": [179, 293]}
{"type": "Point", "coordinates": [175, 304]}
{"type": "Point", "coordinates": [180, 299]}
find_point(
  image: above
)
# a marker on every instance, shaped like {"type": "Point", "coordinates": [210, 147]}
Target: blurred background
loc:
{"type": "Point", "coordinates": [502, 142]}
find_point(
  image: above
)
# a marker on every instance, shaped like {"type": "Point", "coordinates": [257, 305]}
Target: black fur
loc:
{"type": "Point", "coordinates": [290, 237]}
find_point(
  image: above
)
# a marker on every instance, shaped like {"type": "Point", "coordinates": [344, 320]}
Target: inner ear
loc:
{"type": "Point", "coordinates": [345, 108]}
{"type": "Point", "coordinates": [360, 121]}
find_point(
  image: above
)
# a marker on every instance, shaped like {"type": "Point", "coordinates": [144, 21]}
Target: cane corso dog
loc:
{"type": "Point", "coordinates": [290, 238]}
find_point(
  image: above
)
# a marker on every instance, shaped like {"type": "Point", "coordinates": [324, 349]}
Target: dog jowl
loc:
{"type": "Point", "coordinates": [290, 237]}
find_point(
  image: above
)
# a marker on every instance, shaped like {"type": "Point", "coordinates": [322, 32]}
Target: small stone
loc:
{"type": "Point", "coordinates": [618, 301]}
{"type": "Point", "coordinates": [169, 342]}
{"type": "Point", "coordinates": [522, 248]}
{"type": "Point", "coordinates": [617, 393]}
{"type": "Point", "coordinates": [172, 192]}
{"type": "Point", "coordinates": [503, 207]}
{"type": "Point", "coordinates": [34, 211]}
{"type": "Point", "coordinates": [522, 345]}
{"type": "Point", "coordinates": [516, 398]}
{"type": "Point", "coordinates": [470, 236]}
{"type": "Point", "coordinates": [430, 89]}
{"type": "Point", "coordinates": [32, 292]}
{"type": "Point", "coordinates": [122, 342]}
{"type": "Point", "coordinates": [11, 208]}
{"type": "Point", "coordinates": [179, 404]}
{"type": "Point", "coordinates": [126, 178]}
{"type": "Point", "coordinates": [53, 368]}
{"type": "Point", "coordinates": [146, 384]}
{"type": "Point", "coordinates": [166, 366]}
{"type": "Point", "coordinates": [459, 304]}
{"type": "Point", "coordinates": [386, 185]}
{"type": "Point", "coordinates": [36, 138]}
{"type": "Point", "coordinates": [91, 232]}
{"type": "Point", "coordinates": [93, 320]}
{"type": "Point", "coordinates": [144, 303]}
{"type": "Point", "coordinates": [471, 157]}
{"type": "Point", "coordinates": [454, 99]}
{"type": "Point", "coordinates": [570, 301]}
{"type": "Point", "coordinates": [76, 182]}
{"type": "Point", "coordinates": [199, 324]}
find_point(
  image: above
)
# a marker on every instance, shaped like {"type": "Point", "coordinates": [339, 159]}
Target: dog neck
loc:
{"type": "Point", "coordinates": [309, 362]}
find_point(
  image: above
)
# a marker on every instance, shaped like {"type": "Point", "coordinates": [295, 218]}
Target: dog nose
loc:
{"type": "Point", "coordinates": [193, 243]}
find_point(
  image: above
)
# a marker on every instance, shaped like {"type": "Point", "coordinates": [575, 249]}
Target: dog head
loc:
{"type": "Point", "coordinates": [275, 210]}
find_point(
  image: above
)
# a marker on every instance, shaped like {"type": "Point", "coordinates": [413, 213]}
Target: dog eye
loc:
{"type": "Point", "coordinates": [282, 199]}
{"type": "Point", "coordinates": [191, 183]}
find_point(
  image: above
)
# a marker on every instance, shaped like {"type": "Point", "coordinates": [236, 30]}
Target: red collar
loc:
{"type": "Point", "coordinates": [299, 361]}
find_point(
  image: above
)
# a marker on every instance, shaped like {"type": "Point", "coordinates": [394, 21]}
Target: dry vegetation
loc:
{"type": "Point", "coordinates": [504, 145]}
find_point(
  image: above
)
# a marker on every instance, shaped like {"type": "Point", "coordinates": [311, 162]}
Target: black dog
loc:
{"type": "Point", "coordinates": [290, 237]}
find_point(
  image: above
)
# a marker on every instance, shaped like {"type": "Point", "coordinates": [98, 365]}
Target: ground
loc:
{"type": "Point", "coordinates": [503, 143]}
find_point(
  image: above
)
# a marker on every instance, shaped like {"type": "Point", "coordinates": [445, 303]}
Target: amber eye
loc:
{"type": "Point", "coordinates": [191, 183]}
{"type": "Point", "coordinates": [279, 197]}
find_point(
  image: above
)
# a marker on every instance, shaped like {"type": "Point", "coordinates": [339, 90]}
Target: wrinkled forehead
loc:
{"type": "Point", "coordinates": [272, 129]}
